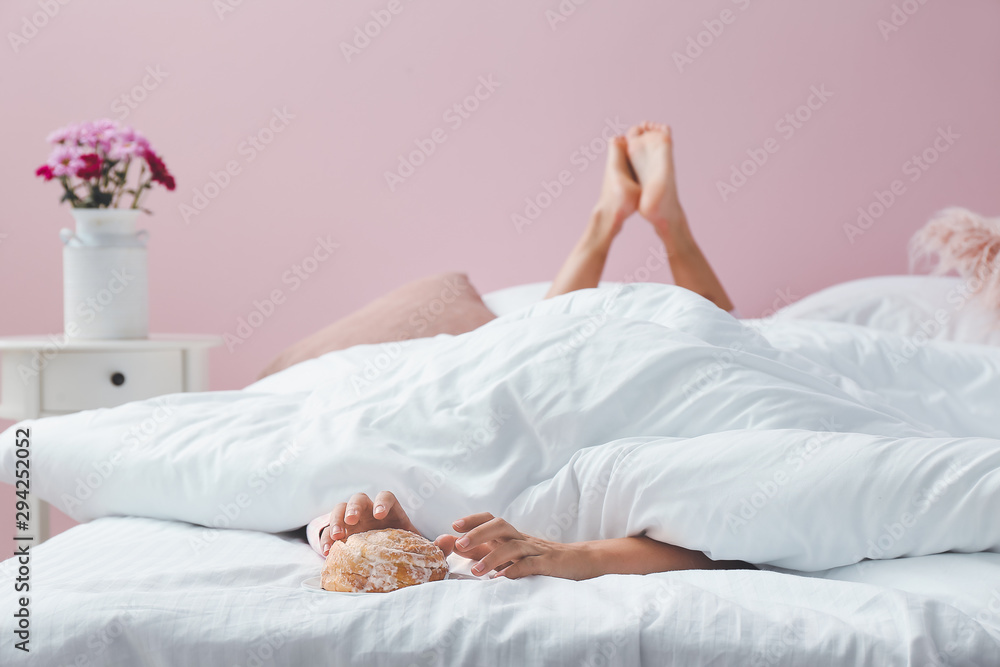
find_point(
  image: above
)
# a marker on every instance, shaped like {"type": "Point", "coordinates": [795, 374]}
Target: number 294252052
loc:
{"type": "Point", "coordinates": [22, 483]}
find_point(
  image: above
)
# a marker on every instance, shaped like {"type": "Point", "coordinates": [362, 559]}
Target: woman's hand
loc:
{"type": "Point", "coordinates": [497, 545]}
{"type": "Point", "coordinates": [360, 514]}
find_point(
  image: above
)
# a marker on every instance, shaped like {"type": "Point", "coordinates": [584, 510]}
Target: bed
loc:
{"type": "Point", "coordinates": [858, 466]}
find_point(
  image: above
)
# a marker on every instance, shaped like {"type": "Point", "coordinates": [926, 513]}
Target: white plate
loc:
{"type": "Point", "coordinates": [313, 583]}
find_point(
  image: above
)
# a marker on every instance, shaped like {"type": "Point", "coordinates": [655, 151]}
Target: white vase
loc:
{"type": "Point", "coordinates": [105, 286]}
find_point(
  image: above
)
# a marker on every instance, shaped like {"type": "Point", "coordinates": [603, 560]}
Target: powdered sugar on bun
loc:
{"type": "Point", "coordinates": [379, 561]}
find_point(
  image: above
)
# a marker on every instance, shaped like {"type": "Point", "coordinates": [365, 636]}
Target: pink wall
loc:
{"type": "Point", "coordinates": [323, 175]}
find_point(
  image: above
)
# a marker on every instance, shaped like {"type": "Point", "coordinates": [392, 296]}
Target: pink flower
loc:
{"type": "Point", "coordinates": [87, 134]}
{"type": "Point", "coordinates": [91, 166]}
{"type": "Point", "coordinates": [66, 161]}
{"type": "Point", "coordinates": [127, 143]}
{"type": "Point", "coordinates": [70, 134]}
{"type": "Point", "coordinates": [98, 134]}
{"type": "Point", "coordinates": [89, 150]}
{"type": "Point", "coordinates": [124, 149]}
{"type": "Point", "coordinates": [127, 134]}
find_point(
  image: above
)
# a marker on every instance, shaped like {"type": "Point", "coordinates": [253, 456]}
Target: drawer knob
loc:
{"type": "Point", "coordinates": [117, 379]}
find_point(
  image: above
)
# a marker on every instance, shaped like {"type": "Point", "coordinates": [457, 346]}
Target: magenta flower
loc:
{"type": "Point", "coordinates": [91, 166]}
{"type": "Point", "coordinates": [45, 171]}
{"type": "Point", "coordinates": [159, 170]}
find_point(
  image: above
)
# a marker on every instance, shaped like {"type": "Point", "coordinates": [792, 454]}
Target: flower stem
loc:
{"type": "Point", "coordinates": [120, 182]}
{"type": "Point", "coordinates": [71, 195]}
{"type": "Point", "coordinates": [139, 188]}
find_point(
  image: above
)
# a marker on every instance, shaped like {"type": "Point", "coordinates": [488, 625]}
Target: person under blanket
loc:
{"type": "Point", "coordinates": [639, 176]}
{"type": "Point", "coordinates": [498, 547]}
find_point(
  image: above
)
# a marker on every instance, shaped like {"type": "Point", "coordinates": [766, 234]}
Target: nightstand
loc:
{"type": "Point", "coordinates": [42, 376]}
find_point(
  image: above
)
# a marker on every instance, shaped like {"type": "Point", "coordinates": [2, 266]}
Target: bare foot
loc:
{"type": "Point", "coordinates": [620, 191]}
{"type": "Point", "coordinates": [651, 152]}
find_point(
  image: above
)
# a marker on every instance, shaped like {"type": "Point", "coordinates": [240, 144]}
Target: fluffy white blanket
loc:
{"type": "Point", "coordinates": [603, 413]}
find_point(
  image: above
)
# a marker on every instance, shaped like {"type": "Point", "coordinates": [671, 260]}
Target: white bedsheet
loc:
{"type": "Point", "coordinates": [600, 414]}
{"type": "Point", "coordinates": [132, 592]}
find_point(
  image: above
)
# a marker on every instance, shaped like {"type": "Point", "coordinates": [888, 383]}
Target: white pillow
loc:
{"type": "Point", "coordinates": [938, 307]}
{"type": "Point", "coordinates": [507, 300]}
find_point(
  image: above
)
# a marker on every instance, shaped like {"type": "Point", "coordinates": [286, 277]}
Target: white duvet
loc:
{"type": "Point", "coordinates": [794, 445]}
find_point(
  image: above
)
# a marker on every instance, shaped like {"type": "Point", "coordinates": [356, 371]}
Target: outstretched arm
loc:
{"type": "Point", "coordinates": [644, 555]}
{"type": "Point", "coordinates": [496, 545]}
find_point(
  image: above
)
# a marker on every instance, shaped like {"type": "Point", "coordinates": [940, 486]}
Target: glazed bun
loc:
{"type": "Point", "coordinates": [379, 561]}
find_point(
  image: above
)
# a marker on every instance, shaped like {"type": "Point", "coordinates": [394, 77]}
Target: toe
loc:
{"type": "Point", "coordinates": [618, 153]}
{"type": "Point", "coordinates": [634, 131]}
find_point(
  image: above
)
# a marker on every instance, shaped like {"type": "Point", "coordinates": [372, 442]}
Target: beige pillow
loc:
{"type": "Point", "coordinates": [444, 304]}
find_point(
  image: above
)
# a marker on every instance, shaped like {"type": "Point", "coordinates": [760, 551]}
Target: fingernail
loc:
{"type": "Point", "coordinates": [326, 550]}
{"type": "Point", "coordinates": [337, 530]}
{"type": "Point", "coordinates": [458, 525]}
{"type": "Point", "coordinates": [462, 543]}
{"type": "Point", "coordinates": [351, 512]}
{"type": "Point", "coordinates": [477, 568]}
{"type": "Point", "coordinates": [379, 509]}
